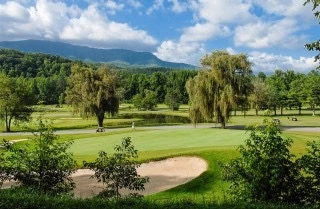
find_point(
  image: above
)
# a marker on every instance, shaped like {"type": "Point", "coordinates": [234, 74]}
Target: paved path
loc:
{"type": "Point", "coordinates": [185, 126]}
{"type": "Point", "coordinates": [93, 130]}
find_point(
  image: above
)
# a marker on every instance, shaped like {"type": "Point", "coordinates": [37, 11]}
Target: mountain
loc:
{"type": "Point", "coordinates": [121, 57]}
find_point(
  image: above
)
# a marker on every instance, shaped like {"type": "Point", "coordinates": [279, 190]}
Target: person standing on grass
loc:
{"type": "Point", "coordinates": [133, 128]}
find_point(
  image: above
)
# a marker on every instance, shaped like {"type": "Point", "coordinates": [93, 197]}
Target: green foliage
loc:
{"type": "Point", "coordinates": [172, 99]}
{"type": "Point", "coordinates": [93, 92]}
{"type": "Point", "coordinates": [310, 164]}
{"type": "Point", "coordinates": [265, 170]}
{"type": "Point", "coordinates": [147, 100]}
{"type": "Point", "coordinates": [21, 199]}
{"type": "Point", "coordinates": [3, 167]}
{"type": "Point", "coordinates": [260, 96]}
{"type": "Point", "coordinates": [15, 101]}
{"type": "Point", "coordinates": [314, 46]}
{"type": "Point", "coordinates": [45, 166]}
{"type": "Point", "coordinates": [221, 86]}
{"type": "Point", "coordinates": [118, 171]}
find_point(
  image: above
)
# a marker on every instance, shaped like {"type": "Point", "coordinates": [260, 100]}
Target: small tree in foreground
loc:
{"type": "Point", "coordinates": [45, 166]}
{"type": "Point", "coordinates": [118, 171]}
{"type": "Point", "coordinates": [265, 170]}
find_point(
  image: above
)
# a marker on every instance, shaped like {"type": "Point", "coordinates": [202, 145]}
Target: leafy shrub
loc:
{"type": "Point", "coordinates": [310, 164]}
{"type": "Point", "coordinates": [118, 171]}
{"type": "Point", "coordinates": [265, 170]}
{"type": "Point", "coordinates": [45, 166]}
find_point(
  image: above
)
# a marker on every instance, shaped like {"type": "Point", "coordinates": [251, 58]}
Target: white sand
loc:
{"type": "Point", "coordinates": [163, 175]}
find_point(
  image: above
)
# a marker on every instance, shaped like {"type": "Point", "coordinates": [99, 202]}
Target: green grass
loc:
{"type": "Point", "coordinates": [155, 141]}
{"type": "Point", "coordinates": [211, 144]}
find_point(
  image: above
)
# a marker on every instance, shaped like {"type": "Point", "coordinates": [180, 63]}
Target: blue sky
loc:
{"type": "Point", "coordinates": [271, 32]}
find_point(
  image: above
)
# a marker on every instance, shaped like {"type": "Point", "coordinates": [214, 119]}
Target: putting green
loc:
{"type": "Point", "coordinates": [155, 140]}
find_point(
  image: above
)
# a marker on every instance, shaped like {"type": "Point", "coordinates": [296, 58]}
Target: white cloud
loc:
{"type": "Point", "coordinates": [158, 4]}
{"type": "Point", "coordinates": [212, 22]}
{"type": "Point", "coordinates": [178, 6]}
{"type": "Point", "coordinates": [14, 11]}
{"type": "Point", "coordinates": [113, 7]}
{"type": "Point", "coordinates": [268, 63]}
{"type": "Point", "coordinates": [285, 8]}
{"type": "Point", "coordinates": [134, 3]}
{"type": "Point", "coordinates": [267, 34]}
{"type": "Point", "coordinates": [55, 20]}
{"type": "Point", "coordinates": [104, 33]}
{"type": "Point", "coordinates": [181, 52]}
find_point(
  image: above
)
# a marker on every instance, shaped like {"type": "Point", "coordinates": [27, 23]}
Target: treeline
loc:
{"type": "Point", "coordinates": [46, 76]}
{"type": "Point", "coordinates": [285, 89]}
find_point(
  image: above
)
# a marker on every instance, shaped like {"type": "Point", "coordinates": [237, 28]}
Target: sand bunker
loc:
{"type": "Point", "coordinates": [163, 175]}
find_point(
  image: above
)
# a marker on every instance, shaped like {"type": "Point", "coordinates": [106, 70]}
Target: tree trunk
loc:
{"type": "Point", "coordinates": [8, 122]}
{"type": "Point", "coordinates": [100, 118]}
{"type": "Point", "coordinates": [256, 112]}
{"type": "Point", "coordinates": [281, 110]}
{"type": "Point", "coordinates": [299, 109]}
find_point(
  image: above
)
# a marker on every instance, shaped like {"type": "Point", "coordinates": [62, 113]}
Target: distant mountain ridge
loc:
{"type": "Point", "coordinates": [120, 57]}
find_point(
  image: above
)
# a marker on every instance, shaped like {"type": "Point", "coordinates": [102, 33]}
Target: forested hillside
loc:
{"type": "Point", "coordinates": [46, 76]}
{"type": "Point", "coordinates": [119, 57]}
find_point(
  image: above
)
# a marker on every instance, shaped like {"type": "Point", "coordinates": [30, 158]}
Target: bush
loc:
{"type": "Point", "coordinates": [118, 171]}
{"type": "Point", "coordinates": [265, 170]}
{"type": "Point", "coordinates": [310, 164]}
{"type": "Point", "coordinates": [45, 166]}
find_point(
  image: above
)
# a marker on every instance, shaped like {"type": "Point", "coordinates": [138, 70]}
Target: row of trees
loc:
{"type": "Point", "coordinates": [286, 90]}
{"type": "Point", "coordinates": [224, 84]}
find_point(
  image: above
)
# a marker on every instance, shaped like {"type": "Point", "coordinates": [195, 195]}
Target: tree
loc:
{"type": "Point", "coordinates": [15, 101]}
{"type": "Point", "coordinates": [172, 99]}
{"type": "Point", "coordinates": [45, 166]}
{"type": "Point", "coordinates": [224, 81]}
{"type": "Point", "coordinates": [93, 92]}
{"type": "Point", "coordinates": [312, 89]}
{"type": "Point", "coordinates": [260, 96]}
{"type": "Point", "coordinates": [298, 92]}
{"type": "Point", "coordinates": [147, 100]}
{"type": "Point", "coordinates": [265, 170]}
{"type": "Point", "coordinates": [118, 171]}
{"type": "Point", "coordinates": [314, 46]}
{"type": "Point", "coordinates": [279, 91]}
{"type": "Point", "coordinates": [158, 82]}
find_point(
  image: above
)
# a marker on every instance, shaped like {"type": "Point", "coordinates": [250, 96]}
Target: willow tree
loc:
{"type": "Point", "coordinates": [219, 87]}
{"type": "Point", "coordinates": [93, 92]}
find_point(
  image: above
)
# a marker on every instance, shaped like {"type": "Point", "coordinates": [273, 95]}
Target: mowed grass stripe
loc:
{"type": "Point", "coordinates": [152, 140]}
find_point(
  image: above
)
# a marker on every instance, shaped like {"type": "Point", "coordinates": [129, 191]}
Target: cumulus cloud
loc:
{"type": "Point", "coordinates": [268, 34]}
{"type": "Point", "coordinates": [268, 63]}
{"type": "Point", "coordinates": [55, 20]}
{"type": "Point", "coordinates": [181, 52]}
{"type": "Point", "coordinates": [14, 11]}
{"type": "Point", "coordinates": [103, 33]}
